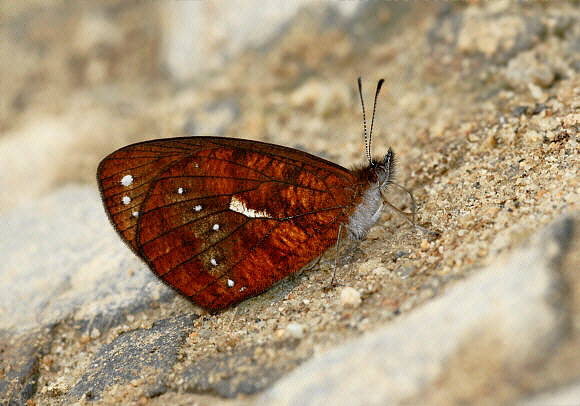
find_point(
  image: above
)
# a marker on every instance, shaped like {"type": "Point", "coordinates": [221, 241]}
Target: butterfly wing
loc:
{"type": "Point", "coordinates": [222, 219]}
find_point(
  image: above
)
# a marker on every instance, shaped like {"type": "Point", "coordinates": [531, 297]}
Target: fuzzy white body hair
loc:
{"type": "Point", "coordinates": [366, 215]}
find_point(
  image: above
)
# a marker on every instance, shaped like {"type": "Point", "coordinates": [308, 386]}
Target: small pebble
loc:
{"type": "Point", "coordinates": [350, 297]}
{"type": "Point", "coordinates": [380, 270]}
{"type": "Point", "coordinates": [95, 333]}
{"type": "Point", "coordinates": [375, 233]}
{"type": "Point", "coordinates": [46, 361]}
{"type": "Point", "coordinates": [295, 330]}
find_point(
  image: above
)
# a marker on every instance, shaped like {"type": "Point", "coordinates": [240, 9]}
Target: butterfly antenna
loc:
{"type": "Point", "coordinates": [373, 118]}
{"type": "Point", "coordinates": [367, 141]}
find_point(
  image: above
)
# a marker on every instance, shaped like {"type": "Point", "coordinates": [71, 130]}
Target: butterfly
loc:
{"type": "Point", "coordinates": [222, 219]}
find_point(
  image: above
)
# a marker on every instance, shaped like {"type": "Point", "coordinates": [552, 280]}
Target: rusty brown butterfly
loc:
{"type": "Point", "coordinates": [222, 219]}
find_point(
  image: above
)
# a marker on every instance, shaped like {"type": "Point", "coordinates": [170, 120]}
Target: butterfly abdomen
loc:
{"type": "Point", "coordinates": [366, 214]}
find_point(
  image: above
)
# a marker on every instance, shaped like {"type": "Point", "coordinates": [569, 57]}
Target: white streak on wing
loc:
{"type": "Point", "coordinates": [240, 207]}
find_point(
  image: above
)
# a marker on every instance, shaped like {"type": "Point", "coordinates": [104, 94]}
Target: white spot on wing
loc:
{"type": "Point", "coordinates": [126, 200]}
{"type": "Point", "coordinates": [213, 262]}
{"type": "Point", "coordinates": [135, 214]}
{"type": "Point", "coordinates": [240, 207]}
{"type": "Point", "coordinates": [242, 288]}
{"type": "Point", "coordinates": [180, 190]}
{"type": "Point", "coordinates": [231, 283]}
{"type": "Point", "coordinates": [197, 208]}
{"type": "Point", "coordinates": [216, 227]}
{"type": "Point", "coordinates": [127, 180]}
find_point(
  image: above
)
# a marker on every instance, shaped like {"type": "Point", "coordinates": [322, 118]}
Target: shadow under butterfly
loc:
{"type": "Point", "coordinates": [222, 219]}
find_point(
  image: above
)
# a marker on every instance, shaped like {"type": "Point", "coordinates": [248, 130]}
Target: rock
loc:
{"type": "Point", "coordinates": [569, 395]}
{"type": "Point", "coordinates": [295, 330]}
{"type": "Point", "coordinates": [201, 39]}
{"type": "Point", "coordinates": [350, 297]}
{"type": "Point", "coordinates": [62, 258]}
{"type": "Point", "coordinates": [152, 351]}
{"type": "Point", "coordinates": [527, 68]}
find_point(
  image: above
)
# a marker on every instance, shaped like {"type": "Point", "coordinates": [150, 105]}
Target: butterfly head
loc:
{"type": "Point", "coordinates": [374, 179]}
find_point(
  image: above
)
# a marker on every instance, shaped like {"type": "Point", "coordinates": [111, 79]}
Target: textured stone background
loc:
{"type": "Point", "coordinates": [482, 106]}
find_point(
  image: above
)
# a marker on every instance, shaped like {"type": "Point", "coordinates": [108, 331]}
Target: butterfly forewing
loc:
{"type": "Point", "coordinates": [222, 219]}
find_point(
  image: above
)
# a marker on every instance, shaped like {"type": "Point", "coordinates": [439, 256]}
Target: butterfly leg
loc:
{"type": "Point", "coordinates": [340, 231]}
{"type": "Point", "coordinates": [413, 208]}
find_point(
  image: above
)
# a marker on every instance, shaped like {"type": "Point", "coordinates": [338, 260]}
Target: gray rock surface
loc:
{"type": "Point", "coordinates": [568, 395]}
{"type": "Point", "coordinates": [62, 260]}
{"type": "Point", "coordinates": [202, 39]}
{"type": "Point", "coordinates": [134, 355]}
{"type": "Point", "coordinates": [63, 264]}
